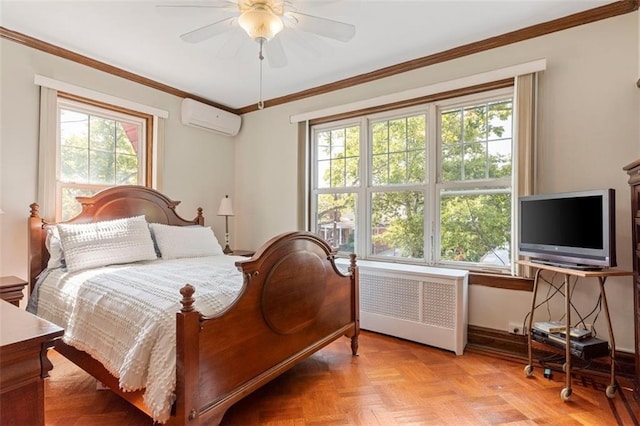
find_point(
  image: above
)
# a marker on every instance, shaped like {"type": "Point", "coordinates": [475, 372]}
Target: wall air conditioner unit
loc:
{"type": "Point", "coordinates": [206, 117]}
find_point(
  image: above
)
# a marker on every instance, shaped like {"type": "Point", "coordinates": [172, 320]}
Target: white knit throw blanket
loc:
{"type": "Point", "coordinates": [125, 316]}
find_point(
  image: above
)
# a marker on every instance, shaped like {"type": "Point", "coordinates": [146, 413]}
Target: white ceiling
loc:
{"type": "Point", "coordinates": [141, 38]}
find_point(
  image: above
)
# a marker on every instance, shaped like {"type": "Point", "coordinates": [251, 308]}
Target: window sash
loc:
{"type": "Point", "coordinates": [144, 123]}
{"type": "Point", "coordinates": [108, 114]}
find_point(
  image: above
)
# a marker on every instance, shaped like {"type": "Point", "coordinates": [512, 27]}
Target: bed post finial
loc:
{"type": "Point", "coordinates": [34, 209]}
{"type": "Point", "coordinates": [200, 218]}
{"type": "Point", "coordinates": [352, 261]}
{"type": "Point", "coordinates": [187, 298]}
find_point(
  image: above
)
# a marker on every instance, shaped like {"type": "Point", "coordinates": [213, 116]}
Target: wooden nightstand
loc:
{"type": "Point", "coordinates": [11, 289]}
{"type": "Point", "coordinates": [245, 253]}
{"type": "Point", "coordinates": [24, 340]}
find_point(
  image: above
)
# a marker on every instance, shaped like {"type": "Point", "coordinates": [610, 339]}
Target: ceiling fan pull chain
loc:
{"type": "Point", "coordinates": [261, 57]}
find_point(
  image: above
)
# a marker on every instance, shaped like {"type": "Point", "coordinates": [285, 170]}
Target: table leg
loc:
{"type": "Point", "coordinates": [611, 389]}
{"type": "Point", "coordinates": [528, 370]}
{"type": "Point", "coordinates": [565, 394]}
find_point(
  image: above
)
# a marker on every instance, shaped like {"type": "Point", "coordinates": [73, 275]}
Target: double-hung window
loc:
{"type": "Point", "coordinates": [429, 184]}
{"type": "Point", "coordinates": [474, 183]}
{"type": "Point", "coordinates": [98, 146]}
{"type": "Point", "coordinates": [338, 183]}
{"type": "Point", "coordinates": [90, 141]}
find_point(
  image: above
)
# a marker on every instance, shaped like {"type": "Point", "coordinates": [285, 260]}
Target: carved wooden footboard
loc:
{"type": "Point", "coordinates": [294, 302]}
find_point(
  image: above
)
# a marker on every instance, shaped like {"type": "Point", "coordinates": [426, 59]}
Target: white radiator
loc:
{"type": "Point", "coordinates": [418, 303]}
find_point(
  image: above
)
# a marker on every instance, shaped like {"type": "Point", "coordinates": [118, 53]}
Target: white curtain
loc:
{"type": "Point", "coordinates": [525, 107]}
{"type": "Point", "coordinates": [47, 153]}
{"type": "Point", "coordinates": [157, 178]}
{"type": "Point", "coordinates": [525, 146]}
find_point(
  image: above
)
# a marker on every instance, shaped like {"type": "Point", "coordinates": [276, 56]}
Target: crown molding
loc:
{"type": "Point", "coordinates": [101, 66]}
{"type": "Point", "coordinates": [616, 8]}
{"type": "Point", "coordinates": [577, 19]}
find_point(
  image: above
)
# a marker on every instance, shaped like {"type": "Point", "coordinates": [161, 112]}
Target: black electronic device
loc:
{"type": "Point", "coordinates": [571, 229]}
{"type": "Point", "coordinates": [585, 349]}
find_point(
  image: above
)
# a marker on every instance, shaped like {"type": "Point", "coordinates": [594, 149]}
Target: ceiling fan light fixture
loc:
{"type": "Point", "coordinates": [260, 22]}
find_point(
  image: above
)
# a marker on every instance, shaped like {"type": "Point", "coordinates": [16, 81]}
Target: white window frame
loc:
{"type": "Point", "coordinates": [315, 190]}
{"type": "Point", "coordinates": [47, 161]}
{"type": "Point", "coordinates": [424, 187]}
{"type": "Point", "coordinates": [430, 188]}
{"type": "Point", "coordinates": [102, 112]}
{"type": "Point", "coordinates": [472, 186]}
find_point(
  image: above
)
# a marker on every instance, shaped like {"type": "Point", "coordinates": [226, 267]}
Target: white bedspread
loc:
{"type": "Point", "coordinates": [125, 316]}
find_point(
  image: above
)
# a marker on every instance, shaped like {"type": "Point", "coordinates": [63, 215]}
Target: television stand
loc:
{"type": "Point", "coordinates": [602, 276]}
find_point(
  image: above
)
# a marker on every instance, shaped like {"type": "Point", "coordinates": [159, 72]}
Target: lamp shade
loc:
{"type": "Point", "coordinates": [225, 209]}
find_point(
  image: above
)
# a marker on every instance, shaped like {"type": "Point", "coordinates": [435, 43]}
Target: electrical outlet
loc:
{"type": "Point", "coordinates": [515, 327]}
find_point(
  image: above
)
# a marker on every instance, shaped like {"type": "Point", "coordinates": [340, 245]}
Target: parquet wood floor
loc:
{"type": "Point", "coordinates": [391, 382]}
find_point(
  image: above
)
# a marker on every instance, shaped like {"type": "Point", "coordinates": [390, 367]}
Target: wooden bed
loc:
{"type": "Point", "coordinates": [294, 302]}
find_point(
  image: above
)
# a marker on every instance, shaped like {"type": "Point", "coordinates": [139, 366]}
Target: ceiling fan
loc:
{"type": "Point", "coordinates": [262, 20]}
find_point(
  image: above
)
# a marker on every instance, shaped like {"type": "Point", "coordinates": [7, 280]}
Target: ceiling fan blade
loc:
{"type": "Point", "coordinates": [236, 38]}
{"type": "Point", "coordinates": [275, 53]}
{"type": "Point", "coordinates": [216, 4]}
{"type": "Point", "coordinates": [305, 46]}
{"type": "Point", "coordinates": [325, 27]}
{"type": "Point", "coordinates": [208, 31]}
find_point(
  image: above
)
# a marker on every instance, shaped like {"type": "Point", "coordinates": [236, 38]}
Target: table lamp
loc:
{"type": "Point", "coordinates": [226, 210]}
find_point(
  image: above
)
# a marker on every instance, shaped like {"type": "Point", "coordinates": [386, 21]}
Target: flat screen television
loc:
{"type": "Point", "coordinates": [571, 229]}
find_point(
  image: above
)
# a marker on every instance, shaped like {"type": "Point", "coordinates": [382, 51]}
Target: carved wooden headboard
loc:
{"type": "Point", "coordinates": [112, 203]}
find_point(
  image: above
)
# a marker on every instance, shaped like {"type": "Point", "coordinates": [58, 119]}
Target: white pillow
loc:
{"type": "Point", "coordinates": [175, 242]}
{"type": "Point", "coordinates": [54, 246]}
{"type": "Point", "coordinates": [111, 242]}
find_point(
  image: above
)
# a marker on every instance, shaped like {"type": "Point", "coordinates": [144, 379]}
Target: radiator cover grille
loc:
{"type": "Point", "coordinates": [391, 296]}
{"type": "Point", "coordinates": [439, 304]}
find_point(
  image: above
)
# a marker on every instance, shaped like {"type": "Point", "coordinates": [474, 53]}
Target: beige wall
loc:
{"type": "Point", "coordinates": [588, 130]}
{"type": "Point", "coordinates": [198, 167]}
